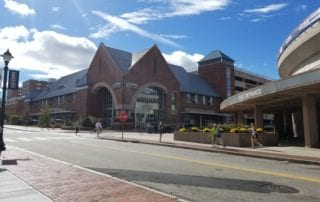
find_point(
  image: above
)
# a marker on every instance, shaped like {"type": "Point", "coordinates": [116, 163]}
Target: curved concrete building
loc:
{"type": "Point", "coordinates": [294, 100]}
{"type": "Point", "coordinates": [300, 52]}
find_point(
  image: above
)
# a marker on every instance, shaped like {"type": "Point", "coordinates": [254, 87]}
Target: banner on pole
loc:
{"type": "Point", "coordinates": [13, 79]}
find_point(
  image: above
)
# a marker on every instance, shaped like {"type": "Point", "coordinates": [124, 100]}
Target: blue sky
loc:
{"type": "Point", "coordinates": [52, 38]}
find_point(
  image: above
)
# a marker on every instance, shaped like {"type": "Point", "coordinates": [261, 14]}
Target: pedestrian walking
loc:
{"type": "Point", "coordinates": [76, 125]}
{"type": "Point", "coordinates": [98, 127]}
{"type": "Point", "coordinates": [219, 140]}
{"type": "Point", "coordinates": [160, 128]}
{"type": "Point", "coordinates": [254, 136]}
{"type": "Point", "coordinates": [214, 132]}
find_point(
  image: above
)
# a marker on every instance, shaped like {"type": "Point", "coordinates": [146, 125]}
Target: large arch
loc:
{"type": "Point", "coordinates": [149, 104]}
{"type": "Point", "coordinates": [106, 103]}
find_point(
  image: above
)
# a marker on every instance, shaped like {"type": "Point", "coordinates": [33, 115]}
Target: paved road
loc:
{"type": "Point", "coordinates": [192, 175]}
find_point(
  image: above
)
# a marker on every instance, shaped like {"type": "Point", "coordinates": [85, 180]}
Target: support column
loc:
{"type": "Point", "coordinates": [240, 118]}
{"type": "Point", "coordinates": [258, 116]}
{"type": "Point", "coordinates": [309, 110]}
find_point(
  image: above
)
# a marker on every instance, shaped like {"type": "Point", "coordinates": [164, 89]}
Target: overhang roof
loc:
{"type": "Point", "coordinates": [276, 93]}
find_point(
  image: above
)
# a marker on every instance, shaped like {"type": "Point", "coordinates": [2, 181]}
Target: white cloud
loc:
{"type": "Point", "coordinates": [172, 36]}
{"type": "Point", "coordinates": [267, 9]}
{"type": "Point", "coordinates": [188, 61]}
{"type": "Point", "coordinates": [49, 52]}
{"type": "Point", "coordinates": [56, 26]}
{"type": "Point", "coordinates": [142, 16]}
{"type": "Point", "coordinates": [173, 8]}
{"type": "Point", "coordinates": [161, 9]}
{"type": "Point", "coordinates": [18, 8]}
{"type": "Point", "coordinates": [124, 25]}
{"type": "Point", "coordinates": [55, 9]}
{"type": "Point", "coordinates": [105, 31]}
{"type": "Point", "coordinates": [194, 7]}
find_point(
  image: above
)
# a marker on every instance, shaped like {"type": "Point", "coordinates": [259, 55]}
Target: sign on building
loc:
{"type": "Point", "coordinates": [13, 79]}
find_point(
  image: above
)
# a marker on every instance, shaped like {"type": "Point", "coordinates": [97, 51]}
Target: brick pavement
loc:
{"type": "Point", "coordinates": [65, 182]}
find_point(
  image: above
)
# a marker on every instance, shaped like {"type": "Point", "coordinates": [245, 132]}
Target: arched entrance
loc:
{"type": "Point", "coordinates": [149, 106]}
{"type": "Point", "coordinates": [106, 106]}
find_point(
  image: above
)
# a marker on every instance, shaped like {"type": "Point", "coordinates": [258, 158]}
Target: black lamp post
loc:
{"type": "Point", "coordinates": [6, 57]}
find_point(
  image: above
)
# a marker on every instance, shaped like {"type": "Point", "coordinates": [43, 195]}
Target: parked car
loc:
{"type": "Point", "coordinates": [153, 128]}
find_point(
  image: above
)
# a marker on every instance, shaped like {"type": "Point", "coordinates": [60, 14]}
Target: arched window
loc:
{"type": "Point", "coordinates": [149, 106]}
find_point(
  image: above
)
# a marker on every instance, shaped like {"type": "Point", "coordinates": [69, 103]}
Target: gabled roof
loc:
{"type": "Point", "coordinates": [216, 54]}
{"type": "Point", "coordinates": [121, 58]}
{"type": "Point", "coordinates": [191, 83]}
{"type": "Point", "coordinates": [136, 56]}
{"type": "Point", "coordinates": [65, 85]}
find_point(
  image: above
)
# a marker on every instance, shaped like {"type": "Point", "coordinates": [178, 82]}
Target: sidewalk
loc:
{"type": "Point", "coordinates": [26, 176]}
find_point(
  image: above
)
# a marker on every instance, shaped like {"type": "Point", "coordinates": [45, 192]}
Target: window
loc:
{"type": "Point", "coordinates": [204, 100]}
{"type": "Point", "coordinates": [188, 98]}
{"type": "Point", "coordinates": [196, 99]}
{"type": "Point", "coordinates": [228, 81]}
{"type": "Point", "coordinates": [173, 102]}
{"type": "Point", "coordinates": [210, 101]}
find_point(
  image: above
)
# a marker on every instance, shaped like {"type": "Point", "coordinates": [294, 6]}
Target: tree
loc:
{"type": "Point", "coordinates": [44, 118]}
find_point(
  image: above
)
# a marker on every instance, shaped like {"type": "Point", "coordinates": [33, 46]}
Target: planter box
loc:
{"type": "Point", "coordinates": [229, 139]}
{"type": "Point", "coordinates": [199, 137]}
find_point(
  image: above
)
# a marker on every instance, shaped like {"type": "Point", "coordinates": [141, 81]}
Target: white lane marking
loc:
{"type": "Point", "coordinates": [24, 139]}
{"type": "Point", "coordinates": [9, 140]}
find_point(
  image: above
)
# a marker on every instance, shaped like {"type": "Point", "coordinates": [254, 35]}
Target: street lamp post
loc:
{"type": "Point", "coordinates": [6, 57]}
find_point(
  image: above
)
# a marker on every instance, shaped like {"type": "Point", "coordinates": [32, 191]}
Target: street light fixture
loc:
{"type": "Point", "coordinates": [6, 58]}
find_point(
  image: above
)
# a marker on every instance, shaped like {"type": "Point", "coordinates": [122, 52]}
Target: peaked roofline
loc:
{"type": "Point", "coordinates": [216, 54]}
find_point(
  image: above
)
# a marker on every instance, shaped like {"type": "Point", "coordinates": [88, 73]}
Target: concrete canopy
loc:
{"type": "Point", "coordinates": [276, 94]}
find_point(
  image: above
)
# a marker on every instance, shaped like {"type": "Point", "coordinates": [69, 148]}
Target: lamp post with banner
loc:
{"type": "Point", "coordinates": [6, 58]}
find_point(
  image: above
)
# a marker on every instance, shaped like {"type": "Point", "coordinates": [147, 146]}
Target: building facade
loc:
{"type": "Point", "coordinates": [143, 85]}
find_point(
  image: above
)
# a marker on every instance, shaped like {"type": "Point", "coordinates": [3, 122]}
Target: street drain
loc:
{"type": "Point", "coordinates": [281, 189]}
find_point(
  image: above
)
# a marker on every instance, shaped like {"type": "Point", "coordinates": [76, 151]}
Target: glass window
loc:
{"type": "Point", "coordinates": [149, 106]}
{"type": "Point", "coordinates": [188, 98]}
{"type": "Point", "coordinates": [173, 102]}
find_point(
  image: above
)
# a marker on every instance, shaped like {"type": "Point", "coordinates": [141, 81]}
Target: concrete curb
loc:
{"type": "Point", "coordinates": [255, 154]}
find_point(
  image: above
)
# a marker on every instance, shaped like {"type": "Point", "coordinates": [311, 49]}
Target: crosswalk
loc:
{"type": "Point", "coordinates": [31, 139]}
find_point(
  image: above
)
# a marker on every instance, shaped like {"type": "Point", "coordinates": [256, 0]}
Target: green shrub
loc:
{"type": "Point", "coordinates": [16, 119]}
{"type": "Point", "coordinates": [228, 126]}
{"type": "Point", "coordinates": [87, 122]}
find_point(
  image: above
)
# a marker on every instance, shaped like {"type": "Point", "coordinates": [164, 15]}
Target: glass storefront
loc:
{"type": "Point", "coordinates": [149, 107]}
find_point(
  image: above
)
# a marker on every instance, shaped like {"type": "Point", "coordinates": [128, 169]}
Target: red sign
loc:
{"type": "Point", "coordinates": [123, 116]}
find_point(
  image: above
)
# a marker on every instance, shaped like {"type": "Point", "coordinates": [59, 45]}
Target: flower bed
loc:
{"type": "Point", "coordinates": [229, 139]}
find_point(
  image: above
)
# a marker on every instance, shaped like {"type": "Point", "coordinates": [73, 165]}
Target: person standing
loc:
{"type": "Point", "coordinates": [254, 136]}
{"type": "Point", "coordinates": [160, 128]}
{"type": "Point", "coordinates": [77, 127]}
{"type": "Point", "coordinates": [98, 127]}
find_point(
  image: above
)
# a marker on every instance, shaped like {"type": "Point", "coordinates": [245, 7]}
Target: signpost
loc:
{"type": "Point", "coordinates": [123, 118]}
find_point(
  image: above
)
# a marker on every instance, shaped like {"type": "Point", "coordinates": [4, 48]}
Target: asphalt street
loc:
{"type": "Point", "coordinates": [192, 175]}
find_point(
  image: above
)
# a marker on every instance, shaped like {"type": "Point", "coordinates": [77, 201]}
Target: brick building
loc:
{"type": "Point", "coordinates": [143, 85]}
